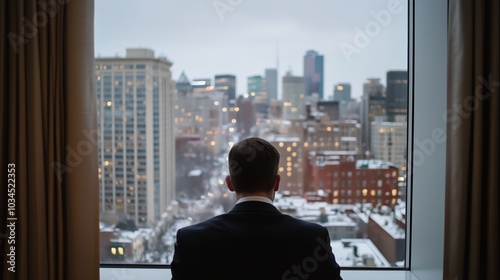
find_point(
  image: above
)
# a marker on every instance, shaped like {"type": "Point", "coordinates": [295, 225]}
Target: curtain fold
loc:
{"type": "Point", "coordinates": [48, 115]}
{"type": "Point", "coordinates": [471, 210]}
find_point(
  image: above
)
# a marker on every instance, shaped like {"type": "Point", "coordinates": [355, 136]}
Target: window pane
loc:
{"type": "Point", "coordinates": [325, 82]}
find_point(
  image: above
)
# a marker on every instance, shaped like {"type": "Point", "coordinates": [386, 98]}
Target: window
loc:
{"type": "Point", "coordinates": [335, 97]}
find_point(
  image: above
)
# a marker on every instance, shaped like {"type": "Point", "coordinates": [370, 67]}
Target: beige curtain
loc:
{"type": "Point", "coordinates": [472, 196]}
{"type": "Point", "coordinates": [48, 120]}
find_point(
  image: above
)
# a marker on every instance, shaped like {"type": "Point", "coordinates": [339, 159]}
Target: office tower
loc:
{"type": "Point", "coordinates": [256, 86]}
{"type": "Point", "coordinates": [373, 105]}
{"type": "Point", "coordinates": [291, 165]}
{"type": "Point", "coordinates": [202, 85]}
{"type": "Point", "coordinates": [136, 137]}
{"type": "Point", "coordinates": [322, 134]}
{"type": "Point", "coordinates": [319, 134]}
{"type": "Point", "coordinates": [373, 87]}
{"type": "Point", "coordinates": [245, 116]}
{"type": "Point", "coordinates": [342, 92]}
{"type": "Point", "coordinates": [256, 90]}
{"type": "Point", "coordinates": [294, 106]}
{"type": "Point", "coordinates": [397, 95]}
{"type": "Point", "coordinates": [353, 111]}
{"type": "Point", "coordinates": [271, 76]}
{"type": "Point", "coordinates": [348, 134]}
{"type": "Point", "coordinates": [184, 103]}
{"type": "Point", "coordinates": [313, 73]}
{"type": "Point", "coordinates": [331, 108]}
{"type": "Point", "coordinates": [183, 85]}
{"type": "Point", "coordinates": [198, 112]}
{"type": "Point", "coordinates": [388, 142]}
{"type": "Point", "coordinates": [227, 85]}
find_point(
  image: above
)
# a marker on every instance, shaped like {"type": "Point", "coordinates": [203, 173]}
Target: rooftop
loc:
{"type": "Point", "coordinates": [387, 223]}
{"type": "Point", "coordinates": [367, 254]}
{"type": "Point", "coordinates": [374, 164]}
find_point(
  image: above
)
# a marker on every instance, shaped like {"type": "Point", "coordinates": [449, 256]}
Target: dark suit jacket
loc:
{"type": "Point", "coordinates": [254, 241]}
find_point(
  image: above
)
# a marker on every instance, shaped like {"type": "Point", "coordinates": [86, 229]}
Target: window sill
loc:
{"type": "Point", "coordinates": [164, 273]}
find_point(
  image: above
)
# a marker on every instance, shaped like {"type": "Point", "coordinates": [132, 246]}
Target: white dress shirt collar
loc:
{"type": "Point", "coordinates": [255, 198]}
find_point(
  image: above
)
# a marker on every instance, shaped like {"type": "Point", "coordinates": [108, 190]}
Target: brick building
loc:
{"type": "Point", "coordinates": [388, 234]}
{"type": "Point", "coordinates": [351, 180]}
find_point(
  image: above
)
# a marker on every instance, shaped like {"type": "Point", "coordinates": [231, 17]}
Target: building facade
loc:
{"type": "Point", "coordinates": [342, 92]}
{"type": "Point", "coordinates": [271, 76]}
{"type": "Point", "coordinates": [257, 92]}
{"type": "Point", "coordinates": [291, 166]}
{"type": "Point", "coordinates": [136, 136]}
{"type": "Point", "coordinates": [397, 95]}
{"type": "Point", "coordinates": [226, 84]}
{"type": "Point", "coordinates": [294, 104]}
{"type": "Point", "coordinates": [351, 180]}
{"type": "Point", "coordinates": [373, 106]}
{"type": "Point", "coordinates": [389, 142]}
{"type": "Point", "coordinates": [313, 73]}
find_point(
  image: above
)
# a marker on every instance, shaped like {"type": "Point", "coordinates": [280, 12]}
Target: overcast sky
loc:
{"type": "Point", "coordinates": [243, 37]}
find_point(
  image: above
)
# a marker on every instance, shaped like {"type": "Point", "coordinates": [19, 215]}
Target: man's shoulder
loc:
{"type": "Point", "coordinates": [203, 225]}
{"type": "Point", "coordinates": [231, 218]}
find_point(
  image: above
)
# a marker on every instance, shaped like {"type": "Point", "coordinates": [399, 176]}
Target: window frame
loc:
{"type": "Point", "coordinates": [427, 70]}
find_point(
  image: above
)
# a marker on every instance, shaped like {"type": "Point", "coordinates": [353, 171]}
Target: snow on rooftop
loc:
{"type": "Point", "coordinates": [282, 138]}
{"type": "Point", "coordinates": [333, 153]}
{"type": "Point", "coordinates": [363, 217]}
{"type": "Point", "coordinates": [400, 211]}
{"type": "Point", "coordinates": [367, 253]}
{"type": "Point", "coordinates": [195, 172]}
{"type": "Point", "coordinates": [121, 240]}
{"type": "Point", "coordinates": [373, 164]}
{"type": "Point", "coordinates": [339, 221]}
{"type": "Point", "coordinates": [388, 224]}
{"type": "Point", "coordinates": [348, 138]}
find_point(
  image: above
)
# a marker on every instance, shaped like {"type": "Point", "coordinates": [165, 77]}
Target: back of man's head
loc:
{"type": "Point", "coordinates": [253, 165]}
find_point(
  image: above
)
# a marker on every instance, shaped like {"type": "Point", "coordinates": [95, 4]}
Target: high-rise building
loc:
{"type": "Point", "coordinates": [313, 73]}
{"type": "Point", "coordinates": [342, 92]}
{"type": "Point", "coordinates": [349, 134]}
{"type": "Point", "coordinates": [183, 85]}
{"type": "Point", "coordinates": [397, 95]}
{"type": "Point", "coordinates": [388, 142]}
{"type": "Point", "coordinates": [272, 83]}
{"type": "Point", "coordinates": [353, 111]}
{"type": "Point", "coordinates": [256, 86]}
{"type": "Point", "coordinates": [256, 90]}
{"type": "Point", "coordinates": [136, 137]}
{"type": "Point", "coordinates": [245, 116]}
{"type": "Point", "coordinates": [331, 108]}
{"type": "Point", "coordinates": [198, 111]}
{"type": "Point", "coordinates": [227, 85]}
{"type": "Point", "coordinates": [373, 106]}
{"type": "Point", "coordinates": [183, 105]}
{"type": "Point", "coordinates": [202, 85]}
{"type": "Point", "coordinates": [291, 166]}
{"type": "Point", "coordinates": [294, 106]}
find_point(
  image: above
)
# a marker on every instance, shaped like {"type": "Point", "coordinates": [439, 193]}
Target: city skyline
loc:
{"type": "Point", "coordinates": [235, 44]}
{"type": "Point", "coordinates": [208, 42]}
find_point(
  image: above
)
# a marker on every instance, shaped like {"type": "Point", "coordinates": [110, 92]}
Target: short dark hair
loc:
{"type": "Point", "coordinates": [253, 165]}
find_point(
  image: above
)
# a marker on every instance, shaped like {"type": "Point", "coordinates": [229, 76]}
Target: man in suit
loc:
{"type": "Point", "coordinates": [254, 240]}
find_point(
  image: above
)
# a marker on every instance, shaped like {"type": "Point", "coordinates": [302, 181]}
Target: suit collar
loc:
{"type": "Point", "coordinates": [255, 206]}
